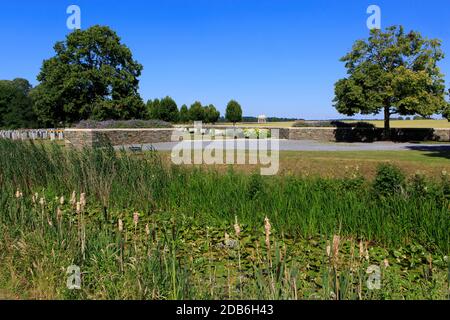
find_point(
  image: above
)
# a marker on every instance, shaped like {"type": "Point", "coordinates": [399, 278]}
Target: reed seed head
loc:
{"type": "Point", "coordinates": [73, 199]}
{"type": "Point", "coordinates": [58, 214]}
{"type": "Point", "coordinates": [328, 251]}
{"type": "Point", "coordinates": [136, 218]}
{"type": "Point", "coordinates": [267, 228]}
{"type": "Point", "coordinates": [83, 200]}
{"type": "Point", "coordinates": [61, 200]}
{"type": "Point", "coordinates": [120, 225]}
{"type": "Point", "coordinates": [237, 228]}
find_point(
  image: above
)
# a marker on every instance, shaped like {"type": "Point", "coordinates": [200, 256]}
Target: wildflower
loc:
{"type": "Point", "coordinates": [58, 214]}
{"type": "Point", "coordinates": [82, 201]}
{"type": "Point", "coordinates": [73, 199]}
{"type": "Point", "coordinates": [42, 201]}
{"type": "Point", "coordinates": [120, 225]}
{"type": "Point", "coordinates": [136, 218]}
{"type": "Point", "coordinates": [267, 228]}
{"type": "Point", "coordinates": [361, 250]}
{"type": "Point", "coordinates": [336, 242]}
{"type": "Point", "coordinates": [386, 263]}
{"type": "Point", "coordinates": [19, 194]}
{"type": "Point", "coordinates": [328, 250]}
{"type": "Point", "coordinates": [237, 228]}
{"type": "Point", "coordinates": [35, 197]}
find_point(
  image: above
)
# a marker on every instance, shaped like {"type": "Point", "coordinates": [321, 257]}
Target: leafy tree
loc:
{"type": "Point", "coordinates": [166, 109]}
{"type": "Point", "coordinates": [93, 75]}
{"type": "Point", "coordinates": [197, 112]}
{"type": "Point", "coordinates": [394, 72]}
{"type": "Point", "coordinates": [233, 112]}
{"type": "Point", "coordinates": [184, 114]}
{"type": "Point", "coordinates": [211, 114]}
{"type": "Point", "coordinates": [152, 107]}
{"type": "Point", "coordinates": [16, 106]}
{"type": "Point", "coordinates": [446, 111]}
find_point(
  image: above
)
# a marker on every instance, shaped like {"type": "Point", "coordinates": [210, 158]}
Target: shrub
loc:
{"type": "Point", "coordinates": [389, 180]}
{"type": "Point", "coordinates": [255, 186]}
{"type": "Point", "coordinates": [116, 124]}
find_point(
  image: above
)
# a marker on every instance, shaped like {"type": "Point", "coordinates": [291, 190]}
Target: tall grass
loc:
{"type": "Point", "coordinates": [296, 206]}
{"type": "Point", "coordinates": [180, 244]}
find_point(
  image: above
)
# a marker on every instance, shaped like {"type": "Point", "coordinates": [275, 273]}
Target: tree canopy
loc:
{"type": "Point", "coordinates": [92, 76]}
{"type": "Point", "coordinates": [184, 114]}
{"type": "Point", "coordinates": [166, 109]}
{"type": "Point", "coordinates": [233, 112]}
{"type": "Point", "coordinates": [197, 112]}
{"type": "Point", "coordinates": [212, 115]}
{"type": "Point", "coordinates": [394, 72]}
{"type": "Point", "coordinates": [16, 106]}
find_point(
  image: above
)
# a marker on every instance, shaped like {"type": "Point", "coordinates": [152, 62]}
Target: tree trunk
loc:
{"type": "Point", "coordinates": [387, 124]}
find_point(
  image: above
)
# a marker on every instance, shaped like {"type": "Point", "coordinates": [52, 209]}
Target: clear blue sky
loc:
{"type": "Point", "coordinates": [277, 57]}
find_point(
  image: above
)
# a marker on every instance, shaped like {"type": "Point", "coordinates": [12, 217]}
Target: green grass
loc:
{"type": "Point", "coordinates": [179, 248]}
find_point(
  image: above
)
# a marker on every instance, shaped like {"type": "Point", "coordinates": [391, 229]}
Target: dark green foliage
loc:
{"type": "Point", "coordinates": [197, 112]}
{"type": "Point", "coordinates": [211, 114]}
{"type": "Point", "coordinates": [184, 114]}
{"type": "Point", "coordinates": [394, 72]}
{"type": "Point", "coordinates": [165, 109]}
{"type": "Point", "coordinates": [111, 124]}
{"type": "Point", "coordinates": [233, 112]}
{"type": "Point", "coordinates": [295, 205]}
{"type": "Point", "coordinates": [255, 186]}
{"type": "Point", "coordinates": [16, 105]}
{"type": "Point", "coordinates": [389, 180]}
{"type": "Point", "coordinates": [92, 76]}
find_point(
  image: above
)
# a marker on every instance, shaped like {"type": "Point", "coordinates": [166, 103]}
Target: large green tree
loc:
{"type": "Point", "coordinates": [184, 114]}
{"type": "Point", "coordinates": [16, 107]}
{"type": "Point", "coordinates": [166, 109]}
{"type": "Point", "coordinates": [93, 75]}
{"type": "Point", "coordinates": [212, 115]}
{"type": "Point", "coordinates": [233, 112]}
{"type": "Point", "coordinates": [393, 72]}
{"type": "Point", "coordinates": [197, 112]}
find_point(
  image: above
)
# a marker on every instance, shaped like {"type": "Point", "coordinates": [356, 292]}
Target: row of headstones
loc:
{"type": "Point", "coordinates": [38, 134]}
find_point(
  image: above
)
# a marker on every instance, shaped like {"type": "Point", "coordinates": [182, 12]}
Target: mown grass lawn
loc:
{"type": "Point", "coordinates": [342, 163]}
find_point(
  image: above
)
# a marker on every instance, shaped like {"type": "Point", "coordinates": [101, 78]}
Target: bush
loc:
{"type": "Point", "coordinates": [389, 180]}
{"type": "Point", "coordinates": [125, 124]}
{"type": "Point", "coordinates": [334, 124]}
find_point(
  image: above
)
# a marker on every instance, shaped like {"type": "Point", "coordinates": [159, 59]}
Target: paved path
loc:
{"type": "Point", "coordinates": [306, 145]}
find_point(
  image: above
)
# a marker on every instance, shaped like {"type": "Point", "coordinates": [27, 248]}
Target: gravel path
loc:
{"type": "Point", "coordinates": [306, 145]}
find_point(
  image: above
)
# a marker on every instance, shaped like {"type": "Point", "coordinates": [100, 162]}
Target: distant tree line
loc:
{"type": "Point", "coordinates": [93, 76]}
{"type": "Point", "coordinates": [166, 109]}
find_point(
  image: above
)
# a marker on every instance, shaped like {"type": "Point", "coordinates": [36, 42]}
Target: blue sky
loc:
{"type": "Point", "coordinates": [277, 57]}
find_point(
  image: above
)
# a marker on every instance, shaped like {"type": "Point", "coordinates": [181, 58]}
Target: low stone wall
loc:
{"type": "Point", "coordinates": [80, 138]}
{"type": "Point", "coordinates": [345, 134]}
